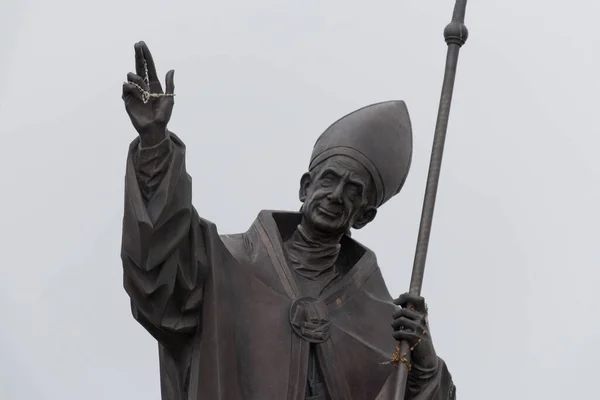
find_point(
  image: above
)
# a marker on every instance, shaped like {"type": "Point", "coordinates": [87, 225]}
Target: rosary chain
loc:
{"type": "Point", "coordinates": [398, 358]}
{"type": "Point", "coordinates": [146, 94]}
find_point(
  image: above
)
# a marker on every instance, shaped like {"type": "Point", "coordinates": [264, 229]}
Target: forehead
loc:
{"type": "Point", "coordinates": [343, 164]}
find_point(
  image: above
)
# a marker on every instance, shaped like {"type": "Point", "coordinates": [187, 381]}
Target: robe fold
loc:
{"type": "Point", "coordinates": [228, 313]}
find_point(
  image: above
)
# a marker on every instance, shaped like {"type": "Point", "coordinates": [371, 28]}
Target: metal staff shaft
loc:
{"type": "Point", "coordinates": [455, 34]}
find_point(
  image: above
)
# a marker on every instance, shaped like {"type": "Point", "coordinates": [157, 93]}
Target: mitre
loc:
{"type": "Point", "coordinates": [379, 136]}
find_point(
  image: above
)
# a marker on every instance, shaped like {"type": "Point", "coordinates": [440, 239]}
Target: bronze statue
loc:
{"type": "Point", "coordinates": [293, 308]}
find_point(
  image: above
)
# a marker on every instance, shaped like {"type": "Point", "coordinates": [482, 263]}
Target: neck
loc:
{"type": "Point", "coordinates": [311, 256]}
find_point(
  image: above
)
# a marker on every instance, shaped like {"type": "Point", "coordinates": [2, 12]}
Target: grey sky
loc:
{"type": "Point", "coordinates": [514, 258]}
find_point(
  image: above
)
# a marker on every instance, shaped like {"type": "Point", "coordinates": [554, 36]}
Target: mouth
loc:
{"type": "Point", "coordinates": [329, 213]}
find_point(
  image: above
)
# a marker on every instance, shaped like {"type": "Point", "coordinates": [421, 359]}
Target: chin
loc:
{"type": "Point", "coordinates": [327, 226]}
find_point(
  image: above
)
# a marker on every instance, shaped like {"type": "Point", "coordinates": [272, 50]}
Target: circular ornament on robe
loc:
{"type": "Point", "coordinates": [309, 318]}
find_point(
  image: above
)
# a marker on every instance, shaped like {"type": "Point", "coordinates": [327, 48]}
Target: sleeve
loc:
{"type": "Point", "coordinates": [434, 384]}
{"type": "Point", "coordinates": [164, 251]}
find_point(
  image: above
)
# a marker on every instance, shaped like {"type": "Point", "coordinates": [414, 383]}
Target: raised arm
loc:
{"type": "Point", "coordinates": [164, 241]}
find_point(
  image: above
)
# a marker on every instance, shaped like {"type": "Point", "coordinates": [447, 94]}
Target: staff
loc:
{"type": "Point", "coordinates": [456, 34]}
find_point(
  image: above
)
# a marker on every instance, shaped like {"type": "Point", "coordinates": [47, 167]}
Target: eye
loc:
{"type": "Point", "coordinates": [327, 179]}
{"type": "Point", "coordinates": [354, 189]}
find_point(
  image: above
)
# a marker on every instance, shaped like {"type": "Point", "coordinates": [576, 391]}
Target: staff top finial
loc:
{"type": "Point", "coordinates": [456, 32]}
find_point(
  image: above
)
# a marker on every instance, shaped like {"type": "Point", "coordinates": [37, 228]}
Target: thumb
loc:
{"type": "Point", "coordinates": [170, 84]}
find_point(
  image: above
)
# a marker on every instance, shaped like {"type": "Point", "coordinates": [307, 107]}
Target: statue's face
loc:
{"type": "Point", "coordinates": [337, 195]}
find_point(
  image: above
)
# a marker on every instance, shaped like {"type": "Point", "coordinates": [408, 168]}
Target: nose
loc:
{"type": "Point", "coordinates": [336, 194]}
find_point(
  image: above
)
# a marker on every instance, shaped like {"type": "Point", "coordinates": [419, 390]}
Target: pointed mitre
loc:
{"type": "Point", "coordinates": [378, 136]}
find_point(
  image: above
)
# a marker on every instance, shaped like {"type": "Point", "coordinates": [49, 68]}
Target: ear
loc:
{"type": "Point", "coordinates": [365, 217]}
{"type": "Point", "coordinates": [304, 185]}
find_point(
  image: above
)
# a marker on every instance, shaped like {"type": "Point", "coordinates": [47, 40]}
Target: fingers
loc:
{"type": "Point", "coordinates": [405, 299]}
{"type": "Point", "coordinates": [408, 329]}
{"type": "Point", "coordinates": [411, 337]}
{"type": "Point", "coordinates": [144, 66]}
{"type": "Point", "coordinates": [406, 324]}
{"type": "Point", "coordinates": [405, 312]}
{"type": "Point", "coordinates": [140, 69]}
{"type": "Point", "coordinates": [131, 77]}
{"type": "Point", "coordinates": [152, 76]}
{"type": "Point", "coordinates": [170, 83]}
{"type": "Point", "coordinates": [130, 90]}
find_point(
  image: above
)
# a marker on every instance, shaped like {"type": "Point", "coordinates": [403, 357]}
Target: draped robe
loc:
{"type": "Point", "coordinates": [227, 312]}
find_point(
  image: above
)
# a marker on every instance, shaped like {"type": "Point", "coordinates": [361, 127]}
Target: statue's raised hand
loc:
{"type": "Point", "coordinates": [149, 108]}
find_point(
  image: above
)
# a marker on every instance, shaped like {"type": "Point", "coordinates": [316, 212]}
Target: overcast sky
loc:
{"type": "Point", "coordinates": [512, 273]}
